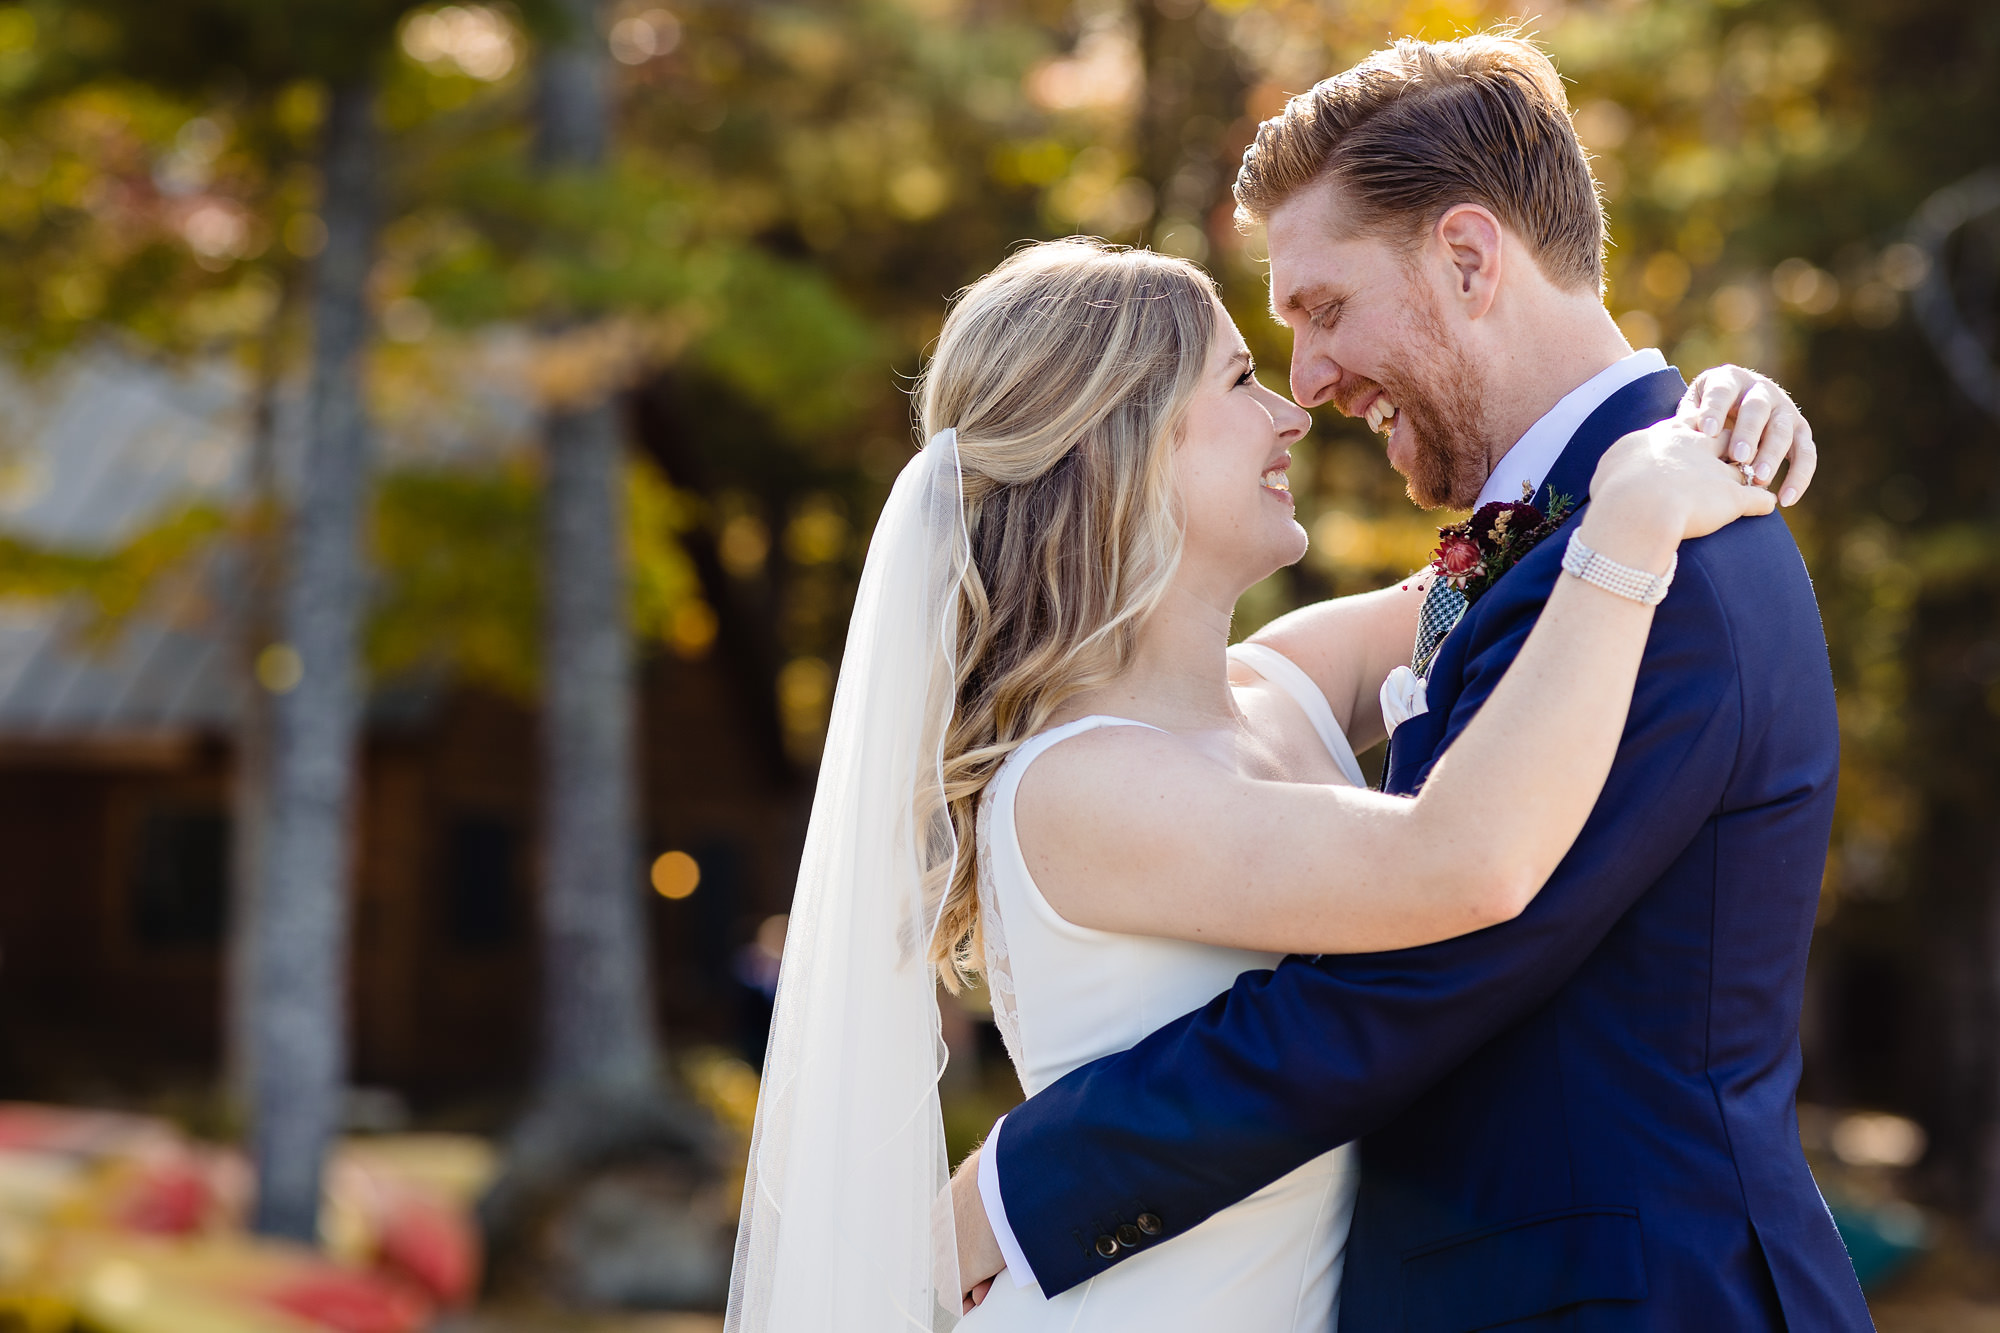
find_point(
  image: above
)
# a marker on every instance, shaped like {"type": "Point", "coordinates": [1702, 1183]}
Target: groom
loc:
{"type": "Point", "coordinates": [1582, 1119]}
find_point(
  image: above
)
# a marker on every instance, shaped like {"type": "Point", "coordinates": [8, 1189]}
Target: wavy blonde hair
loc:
{"type": "Point", "coordinates": [1067, 373]}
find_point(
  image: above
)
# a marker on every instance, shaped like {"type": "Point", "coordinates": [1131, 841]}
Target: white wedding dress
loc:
{"type": "Point", "coordinates": [1064, 995]}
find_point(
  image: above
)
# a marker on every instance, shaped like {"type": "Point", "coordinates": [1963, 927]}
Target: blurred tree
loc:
{"type": "Point", "coordinates": [298, 1000]}
{"type": "Point", "coordinates": [293, 934]}
{"type": "Point", "coordinates": [596, 1011]}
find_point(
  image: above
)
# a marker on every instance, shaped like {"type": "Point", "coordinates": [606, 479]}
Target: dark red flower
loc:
{"type": "Point", "coordinates": [1458, 558]}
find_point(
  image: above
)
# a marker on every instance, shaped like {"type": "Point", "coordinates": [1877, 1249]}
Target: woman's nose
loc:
{"type": "Point", "coordinates": [1291, 420]}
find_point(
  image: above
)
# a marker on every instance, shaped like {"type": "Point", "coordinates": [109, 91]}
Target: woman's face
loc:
{"type": "Point", "coordinates": [1231, 463]}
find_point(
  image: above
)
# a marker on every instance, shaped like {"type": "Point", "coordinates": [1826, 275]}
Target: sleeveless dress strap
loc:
{"type": "Point", "coordinates": [1026, 752]}
{"type": "Point", "coordinates": [1288, 676]}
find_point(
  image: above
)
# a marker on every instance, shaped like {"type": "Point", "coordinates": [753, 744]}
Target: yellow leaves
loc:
{"type": "Point", "coordinates": [115, 583]}
{"type": "Point", "coordinates": [76, 295]}
{"type": "Point", "coordinates": [692, 628]}
{"type": "Point", "coordinates": [1344, 542]}
{"type": "Point", "coordinates": [818, 532]}
{"type": "Point", "coordinates": [1691, 174]}
{"type": "Point", "coordinates": [808, 43]}
{"type": "Point", "coordinates": [237, 311]}
{"type": "Point", "coordinates": [580, 365]}
{"type": "Point", "coordinates": [1033, 162]}
{"type": "Point", "coordinates": [1700, 240]}
{"type": "Point", "coordinates": [1103, 73]}
{"type": "Point", "coordinates": [742, 545]}
{"type": "Point", "coordinates": [17, 30]}
{"type": "Point", "coordinates": [1602, 124]}
{"type": "Point", "coordinates": [299, 108]}
{"type": "Point", "coordinates": [1735, 308]}
{"type": "Point", "coordinates": [1640, 327]}
{"type": "Point", "coordinates": [1098, 196]}
{"type": "Point", "coordinates": [1666, 277]}
{"type": "Point", "coordinates": [805, 694]}
{"type": "Point", "coordinates": [666, 595]}
{"type": "Point", "coordinates": [918, 191]}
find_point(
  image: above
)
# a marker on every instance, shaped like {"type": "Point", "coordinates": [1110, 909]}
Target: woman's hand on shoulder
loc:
{"type": "Point", "coordinates": [1667, 484]}
{"type": "Point", "coordinates": [1763, 425]}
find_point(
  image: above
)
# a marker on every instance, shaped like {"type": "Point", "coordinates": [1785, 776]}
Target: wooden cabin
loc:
{"type": "Point", "coordinates": [115, 781]}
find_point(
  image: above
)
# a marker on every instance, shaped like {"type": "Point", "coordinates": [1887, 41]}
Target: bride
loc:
{"type": "Point", "coordinates": [1046, 766]}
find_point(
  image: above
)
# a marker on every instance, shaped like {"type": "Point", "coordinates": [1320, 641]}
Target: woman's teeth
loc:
{"type": "Point", "coordinates": [1380, 413]}
{"type": "Point", "coordinates": [1276, 480]}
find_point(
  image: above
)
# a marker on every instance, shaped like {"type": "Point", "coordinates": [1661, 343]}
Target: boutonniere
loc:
{"type": "Point", "coordinates": [1471, 556]}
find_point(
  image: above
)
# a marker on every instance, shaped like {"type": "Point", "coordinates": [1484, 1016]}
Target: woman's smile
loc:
{"type": "Point", "coordinates": [1276, 482]}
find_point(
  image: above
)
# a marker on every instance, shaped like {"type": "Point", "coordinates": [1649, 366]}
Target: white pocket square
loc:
{"type": "Point", "coordinates": [1403, 698]}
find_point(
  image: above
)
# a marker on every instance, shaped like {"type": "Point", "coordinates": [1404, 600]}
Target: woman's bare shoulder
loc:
{"type": "Point", "coordinates": [1110, 786]}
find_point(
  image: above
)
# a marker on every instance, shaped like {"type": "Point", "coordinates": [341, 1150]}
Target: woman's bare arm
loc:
{"type": "Point", "coordinates": [1134, 831]}
{"type": "Point", "coordinates": [1349, 645]}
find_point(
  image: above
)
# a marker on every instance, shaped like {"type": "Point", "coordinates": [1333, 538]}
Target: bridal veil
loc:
{"type": "Point", "coordinates": [842, 1228]}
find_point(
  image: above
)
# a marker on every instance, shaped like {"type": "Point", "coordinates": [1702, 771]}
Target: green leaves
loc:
{"type": "Point", "coordinates": [114, 583]}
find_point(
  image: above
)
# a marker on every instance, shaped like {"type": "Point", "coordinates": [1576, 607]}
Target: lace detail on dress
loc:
{"type": "Point", "coordinates": [999, 975]}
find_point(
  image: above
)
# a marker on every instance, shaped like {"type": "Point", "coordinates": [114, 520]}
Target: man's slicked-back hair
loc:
{"type": "Point", "coordinates": [1420, 126]}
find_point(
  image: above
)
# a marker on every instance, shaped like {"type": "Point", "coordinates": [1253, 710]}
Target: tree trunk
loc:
{"type": "Point", "coordinates": [256, 629]}
{"type": "Point", "coordinates": [597, 1030]}
{"type": "Point", "coordinates": [298, 1049]}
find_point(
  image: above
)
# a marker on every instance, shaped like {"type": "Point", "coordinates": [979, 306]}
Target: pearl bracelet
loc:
{"type": "Point", "coordinates": [1634, 584]}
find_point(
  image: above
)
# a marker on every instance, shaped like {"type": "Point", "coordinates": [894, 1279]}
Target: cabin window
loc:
{"type": "Point", "coordinates": [180, 879]}
{"type": "Point", "coordinates": [482, 875]}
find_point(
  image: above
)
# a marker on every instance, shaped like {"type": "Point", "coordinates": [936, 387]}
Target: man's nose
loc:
{"type": "Point", "coordinates": [1314, 377]}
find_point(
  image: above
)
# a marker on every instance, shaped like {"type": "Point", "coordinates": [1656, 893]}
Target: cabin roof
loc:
{"type": "Point", "coordinates": [96, 447]}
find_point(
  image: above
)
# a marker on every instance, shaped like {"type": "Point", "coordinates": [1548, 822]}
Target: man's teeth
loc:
{"type": "Point", "coordinates": [1276, 480]}
{"type": "Point", "coordinates": [1380, 413]}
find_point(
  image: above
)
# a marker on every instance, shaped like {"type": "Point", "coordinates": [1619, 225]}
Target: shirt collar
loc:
{"type": "Point", "coordinates": [1527, 464]}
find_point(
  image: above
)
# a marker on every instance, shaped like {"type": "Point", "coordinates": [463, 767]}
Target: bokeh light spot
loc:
{"type": "Point", "coordinates": [675, 875]}
{"type": "Point", "coordinates": [280, 668]}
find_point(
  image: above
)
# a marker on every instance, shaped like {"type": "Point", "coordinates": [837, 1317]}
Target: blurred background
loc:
{"type": "Point", "coordinates": [437, 448]}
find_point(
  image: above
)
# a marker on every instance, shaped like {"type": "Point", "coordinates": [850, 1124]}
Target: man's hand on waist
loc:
{"type": "Point", "coordinates": [979, 1257]}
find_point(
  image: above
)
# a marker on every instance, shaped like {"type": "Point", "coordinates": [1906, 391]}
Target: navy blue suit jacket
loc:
{"type": "Point", "coordinates": [1582, 1119]}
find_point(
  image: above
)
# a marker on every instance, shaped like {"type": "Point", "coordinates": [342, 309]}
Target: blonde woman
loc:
{"type": "Point", "coordinates": [1047, 767]}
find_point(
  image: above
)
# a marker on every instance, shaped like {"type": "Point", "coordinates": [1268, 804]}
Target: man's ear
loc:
{"type": "Point", "coordinates": [1471, 240]}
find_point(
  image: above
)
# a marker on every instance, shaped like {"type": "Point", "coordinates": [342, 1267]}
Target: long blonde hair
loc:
{"type": "Point", "coordinates": [1067, 373]}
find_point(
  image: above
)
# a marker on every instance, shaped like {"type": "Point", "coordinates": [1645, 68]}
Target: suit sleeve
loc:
{"type": "Point", "coordinates": [1293, 1062]}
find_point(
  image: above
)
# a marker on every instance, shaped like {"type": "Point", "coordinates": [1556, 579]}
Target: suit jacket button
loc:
{"type": "Point", "coordinates": [1149, 1223]}
{"type": "Point", "coordinates": [1128, 1236]}
{"type": "Point", "coordinates": [1106, 1247]}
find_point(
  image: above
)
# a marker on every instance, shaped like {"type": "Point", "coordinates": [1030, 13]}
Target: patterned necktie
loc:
{"type": "Point", "coordinates": [1443, 605]}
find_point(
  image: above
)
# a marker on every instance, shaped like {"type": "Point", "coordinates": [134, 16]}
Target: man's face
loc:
{"type": "Point", "coordinates": [1369, 336]}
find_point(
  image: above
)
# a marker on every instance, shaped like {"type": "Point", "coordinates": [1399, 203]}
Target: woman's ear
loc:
{"type": "Point", "coordinates": [1472, 241]}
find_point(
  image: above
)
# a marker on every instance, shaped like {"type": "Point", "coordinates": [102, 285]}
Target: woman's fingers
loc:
{"type": "Point", "coordinates": [1805, 461]}
{"type": "Point", "coordinates": [1777, 443]}
{"type": "Point", "coordinates": [1756, 500]}
{"type": "Point", "coordinates": [1753, 413]}
{"type": "Point", "coordinates": [1714, 393]}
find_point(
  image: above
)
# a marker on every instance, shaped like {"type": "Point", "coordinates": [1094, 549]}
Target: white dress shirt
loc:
{"type": "Point", "coordinates": [1527, 465]}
